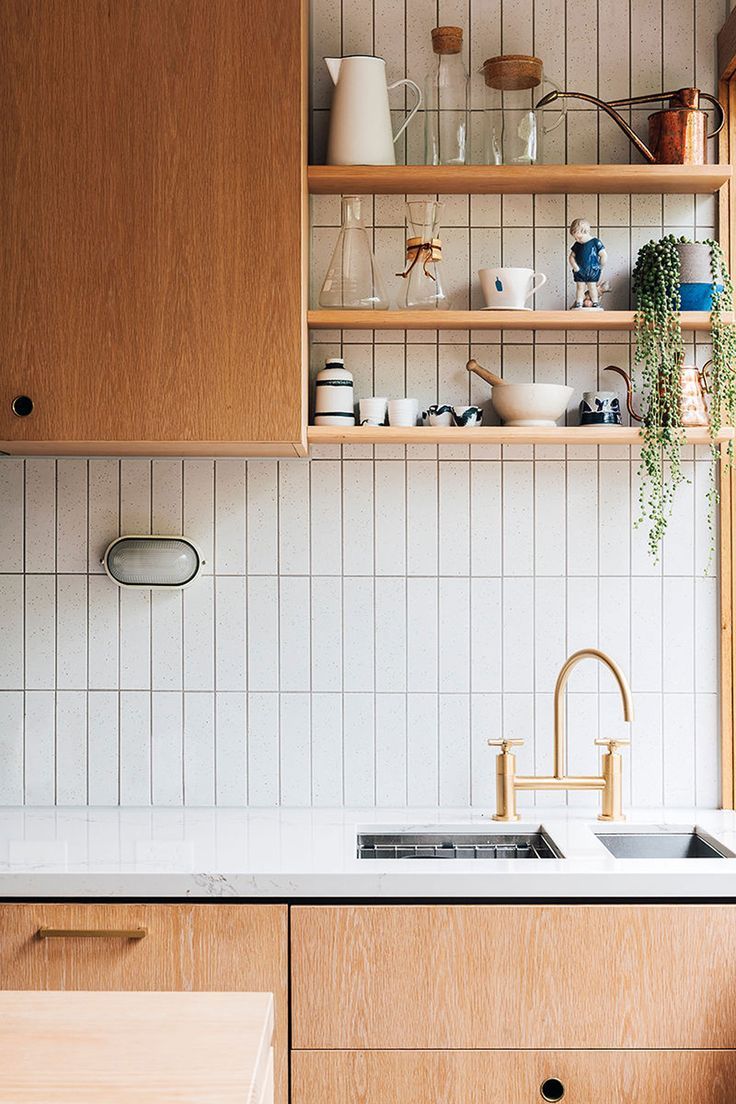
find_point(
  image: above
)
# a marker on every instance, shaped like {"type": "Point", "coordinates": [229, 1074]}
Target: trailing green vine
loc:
{"type": "Point", "coordinates": [660, 353]}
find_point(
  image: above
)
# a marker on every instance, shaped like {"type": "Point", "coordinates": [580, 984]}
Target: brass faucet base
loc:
{"type": "Point", "coordinates": [506, 818]}
{"type": "Point", "coordinates": [605, 816]}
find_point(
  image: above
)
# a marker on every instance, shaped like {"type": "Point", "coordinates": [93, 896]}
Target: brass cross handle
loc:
{"type": "Point", "coordinates": [505, 744]}
{"type": "Point", "coordinates": [612, 744]}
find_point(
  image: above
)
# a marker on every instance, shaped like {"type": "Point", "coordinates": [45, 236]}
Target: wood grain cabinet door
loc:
{"type": "Point", "coordinates": [536, 976]}
{"type": "Point", "coordinates": [514, 1077]}
{"type": "Point", "coordinates": [152, 220]}
{"type": "Point", "coordinates": [215, 947]}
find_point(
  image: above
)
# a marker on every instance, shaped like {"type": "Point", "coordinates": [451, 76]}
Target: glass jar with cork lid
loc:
{"type": "Point", "coordinates": [446, 139]}
{"type": "Point", "coordinates": [513, 130]}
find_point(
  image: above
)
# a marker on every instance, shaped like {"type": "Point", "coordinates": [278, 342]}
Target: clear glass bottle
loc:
{"type": "Point", "coordinates": [446, 136]}
{"type": "Point", "coordinates": [353, 280]}
{"type": "Point", "coordinates": [423, 288]}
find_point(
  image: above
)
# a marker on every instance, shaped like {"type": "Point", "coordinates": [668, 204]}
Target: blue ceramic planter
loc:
{"type": "Point", "coordinates": [696, 289]}
{"type": "Point", "coordinates": [697, 297]}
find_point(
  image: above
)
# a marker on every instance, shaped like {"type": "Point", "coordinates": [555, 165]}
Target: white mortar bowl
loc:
{"type": "Point", "coordinates": [530, 404]}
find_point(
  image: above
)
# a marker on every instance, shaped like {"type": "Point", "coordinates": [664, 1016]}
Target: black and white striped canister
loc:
{"type": "Point", "coordinates": [333, 400]}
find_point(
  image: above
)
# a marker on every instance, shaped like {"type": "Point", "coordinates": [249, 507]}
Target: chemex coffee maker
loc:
{"type": "Point", "coordinates": [678, 134]}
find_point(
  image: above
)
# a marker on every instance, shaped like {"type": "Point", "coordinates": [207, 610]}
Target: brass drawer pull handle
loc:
{"type": "Point", "coordinates": [92, 933]}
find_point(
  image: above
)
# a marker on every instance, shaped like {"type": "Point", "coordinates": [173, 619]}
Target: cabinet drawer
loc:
{"type": "Point", "coordinates": [513, 1077]}
{"type": "Point", "coordinates": [186, 947]}
{"type": "Point", "coordinates": [537, 976]}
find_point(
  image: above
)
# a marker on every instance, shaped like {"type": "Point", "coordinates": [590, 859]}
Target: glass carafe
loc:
{"type": "Point", "coordinates": [353, 280]}
{"type": "Point", "coordinates": [446, 101]}
{"type": "Point", "coordinates": [423, 288]}
{"type": "Point", "coordinates": [512, 130]}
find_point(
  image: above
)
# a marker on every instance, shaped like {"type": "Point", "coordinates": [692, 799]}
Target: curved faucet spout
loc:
{"type": "Point", "coordinates": [559, 699]}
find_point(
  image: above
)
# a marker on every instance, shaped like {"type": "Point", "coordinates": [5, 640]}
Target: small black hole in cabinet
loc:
{"type": "Point", "coordinates": [552, 1089]}
{"type": "Point", "coordinates": [22, 405]}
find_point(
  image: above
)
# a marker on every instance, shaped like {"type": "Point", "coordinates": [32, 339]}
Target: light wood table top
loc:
{"type": "Point", "coordinates": [208, 1048]}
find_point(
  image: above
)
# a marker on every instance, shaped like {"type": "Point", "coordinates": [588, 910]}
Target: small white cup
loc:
{"type": "Point", "coordinates": [373, 411]}
{"type": "Point", "coordinates": [509, 288]}
{"type": "Point", "coordinates": [403, 412]}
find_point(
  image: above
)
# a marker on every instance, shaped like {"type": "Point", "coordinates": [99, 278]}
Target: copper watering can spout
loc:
{"type": "Point", "coordinates": [678, 133]}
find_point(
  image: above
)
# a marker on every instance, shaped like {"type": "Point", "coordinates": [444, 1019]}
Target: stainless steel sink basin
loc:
{"type": "Point", "coordinates": [456, 845]}
{"type": "Point", "coordinates": [663, 845]}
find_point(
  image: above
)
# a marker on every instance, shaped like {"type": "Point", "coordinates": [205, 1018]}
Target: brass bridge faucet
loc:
{"type": "Point", "coordinates": [609, 781]}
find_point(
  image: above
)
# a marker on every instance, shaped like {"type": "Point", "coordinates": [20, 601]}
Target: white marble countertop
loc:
{"type": "Point", "coordinates": [289, 854]}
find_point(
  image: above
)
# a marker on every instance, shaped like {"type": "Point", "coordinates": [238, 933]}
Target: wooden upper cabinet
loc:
{"type": "Point", "coordinates": [152, 216]}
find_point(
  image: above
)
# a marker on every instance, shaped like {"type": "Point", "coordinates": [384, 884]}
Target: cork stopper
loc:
{"type": "Point", "coordinates": [513, 72]}
{"type": "Point", "coordinates": [447, 40]}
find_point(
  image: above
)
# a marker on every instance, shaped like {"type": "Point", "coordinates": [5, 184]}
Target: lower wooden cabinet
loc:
{"type": "Point", "coordinates": [186, 947]}
{"type": "Point", "coordinates": [472, 977]}
{"type": "Point", "coordinates": [514, 1077]}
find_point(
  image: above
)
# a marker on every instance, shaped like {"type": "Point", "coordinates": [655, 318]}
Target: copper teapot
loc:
{"type": "Point", "coordinates": [678, 134]}
{"type": "Point", "coordinates": [693, 388]}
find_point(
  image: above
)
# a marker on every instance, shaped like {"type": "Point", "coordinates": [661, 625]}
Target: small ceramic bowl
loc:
{"type": "Point", "coordinates": [467, 415]}
{"type": "Point", "coordinates": [530, 404]}
{"type": "Point", "coordinates": [440, 415]}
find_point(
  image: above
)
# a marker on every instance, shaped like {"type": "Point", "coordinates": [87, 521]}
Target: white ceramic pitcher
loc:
{"type": "Point", "coordinates": [360, 119]}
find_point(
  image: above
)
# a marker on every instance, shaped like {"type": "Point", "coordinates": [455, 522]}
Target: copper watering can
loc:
{"type": "Point", "coordinates": [678, 134]}
{"type": "Point", "coordinates": [693, 388]}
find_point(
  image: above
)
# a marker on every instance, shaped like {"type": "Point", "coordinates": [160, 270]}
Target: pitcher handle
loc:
{"type": "Point", "coordinates": [414, 110]}
{"type": "Point", "coordinates": [542, 279]}
{"type": "Point", "coordinates": [563, 108]}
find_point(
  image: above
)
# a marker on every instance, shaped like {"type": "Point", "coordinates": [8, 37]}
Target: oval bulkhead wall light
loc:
{"type": "Point", "coordinates": [152, 562]}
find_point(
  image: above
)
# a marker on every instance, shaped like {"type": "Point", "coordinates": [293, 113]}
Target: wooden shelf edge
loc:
{"type": "Point", "coordinates": [174, 449]}
{"type": "Point", "coordinates": [518, 179]}
{"type": "Point", "coordinates": [493, 435]}
{"type": "Point", "coordinates": [490, 320]}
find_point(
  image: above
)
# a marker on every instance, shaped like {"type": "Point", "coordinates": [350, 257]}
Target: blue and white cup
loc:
{"type": "Point", "coordinates": [467, 416]}
{"type": "Point", "coordinates": [600, 408]}
{"type": "Point", "coordinates": [438, 415]}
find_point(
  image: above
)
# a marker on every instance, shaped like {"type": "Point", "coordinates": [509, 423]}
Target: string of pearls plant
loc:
{"type": "Point", "coordinates": [660, 352]}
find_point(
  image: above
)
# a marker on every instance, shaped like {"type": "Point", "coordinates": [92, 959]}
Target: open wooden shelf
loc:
{"type": "Point", "coordinates": [517, 179]}
{"type": "Point", "coordinates": [492, 435]}
{"type": "Point", "coordinates": [490, 320]}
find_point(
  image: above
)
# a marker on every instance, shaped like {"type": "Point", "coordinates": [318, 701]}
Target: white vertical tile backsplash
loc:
{"type": "Point", "coordinates": [369, 618]}
{"type": "Point", "coordinates": [378, 678]}
{"type": "Point", "coordinates": [11, 746]}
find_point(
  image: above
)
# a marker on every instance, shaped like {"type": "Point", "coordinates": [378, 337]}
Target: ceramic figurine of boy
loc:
{"type": "Point", "coordinates": [586, 259]}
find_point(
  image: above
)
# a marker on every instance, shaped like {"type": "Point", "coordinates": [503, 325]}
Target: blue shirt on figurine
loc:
{"type": "Point", "coordinates": [586, 255]}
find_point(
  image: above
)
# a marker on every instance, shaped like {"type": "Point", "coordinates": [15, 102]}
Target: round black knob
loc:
{"type": "Point", "coordinates": [22, 406]}
{"type": "Point", "coordinates": [552, 1089]}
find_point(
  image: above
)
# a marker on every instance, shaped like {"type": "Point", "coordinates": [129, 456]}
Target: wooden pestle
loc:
{"type": "Point", "coordinates": [484, 373]}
